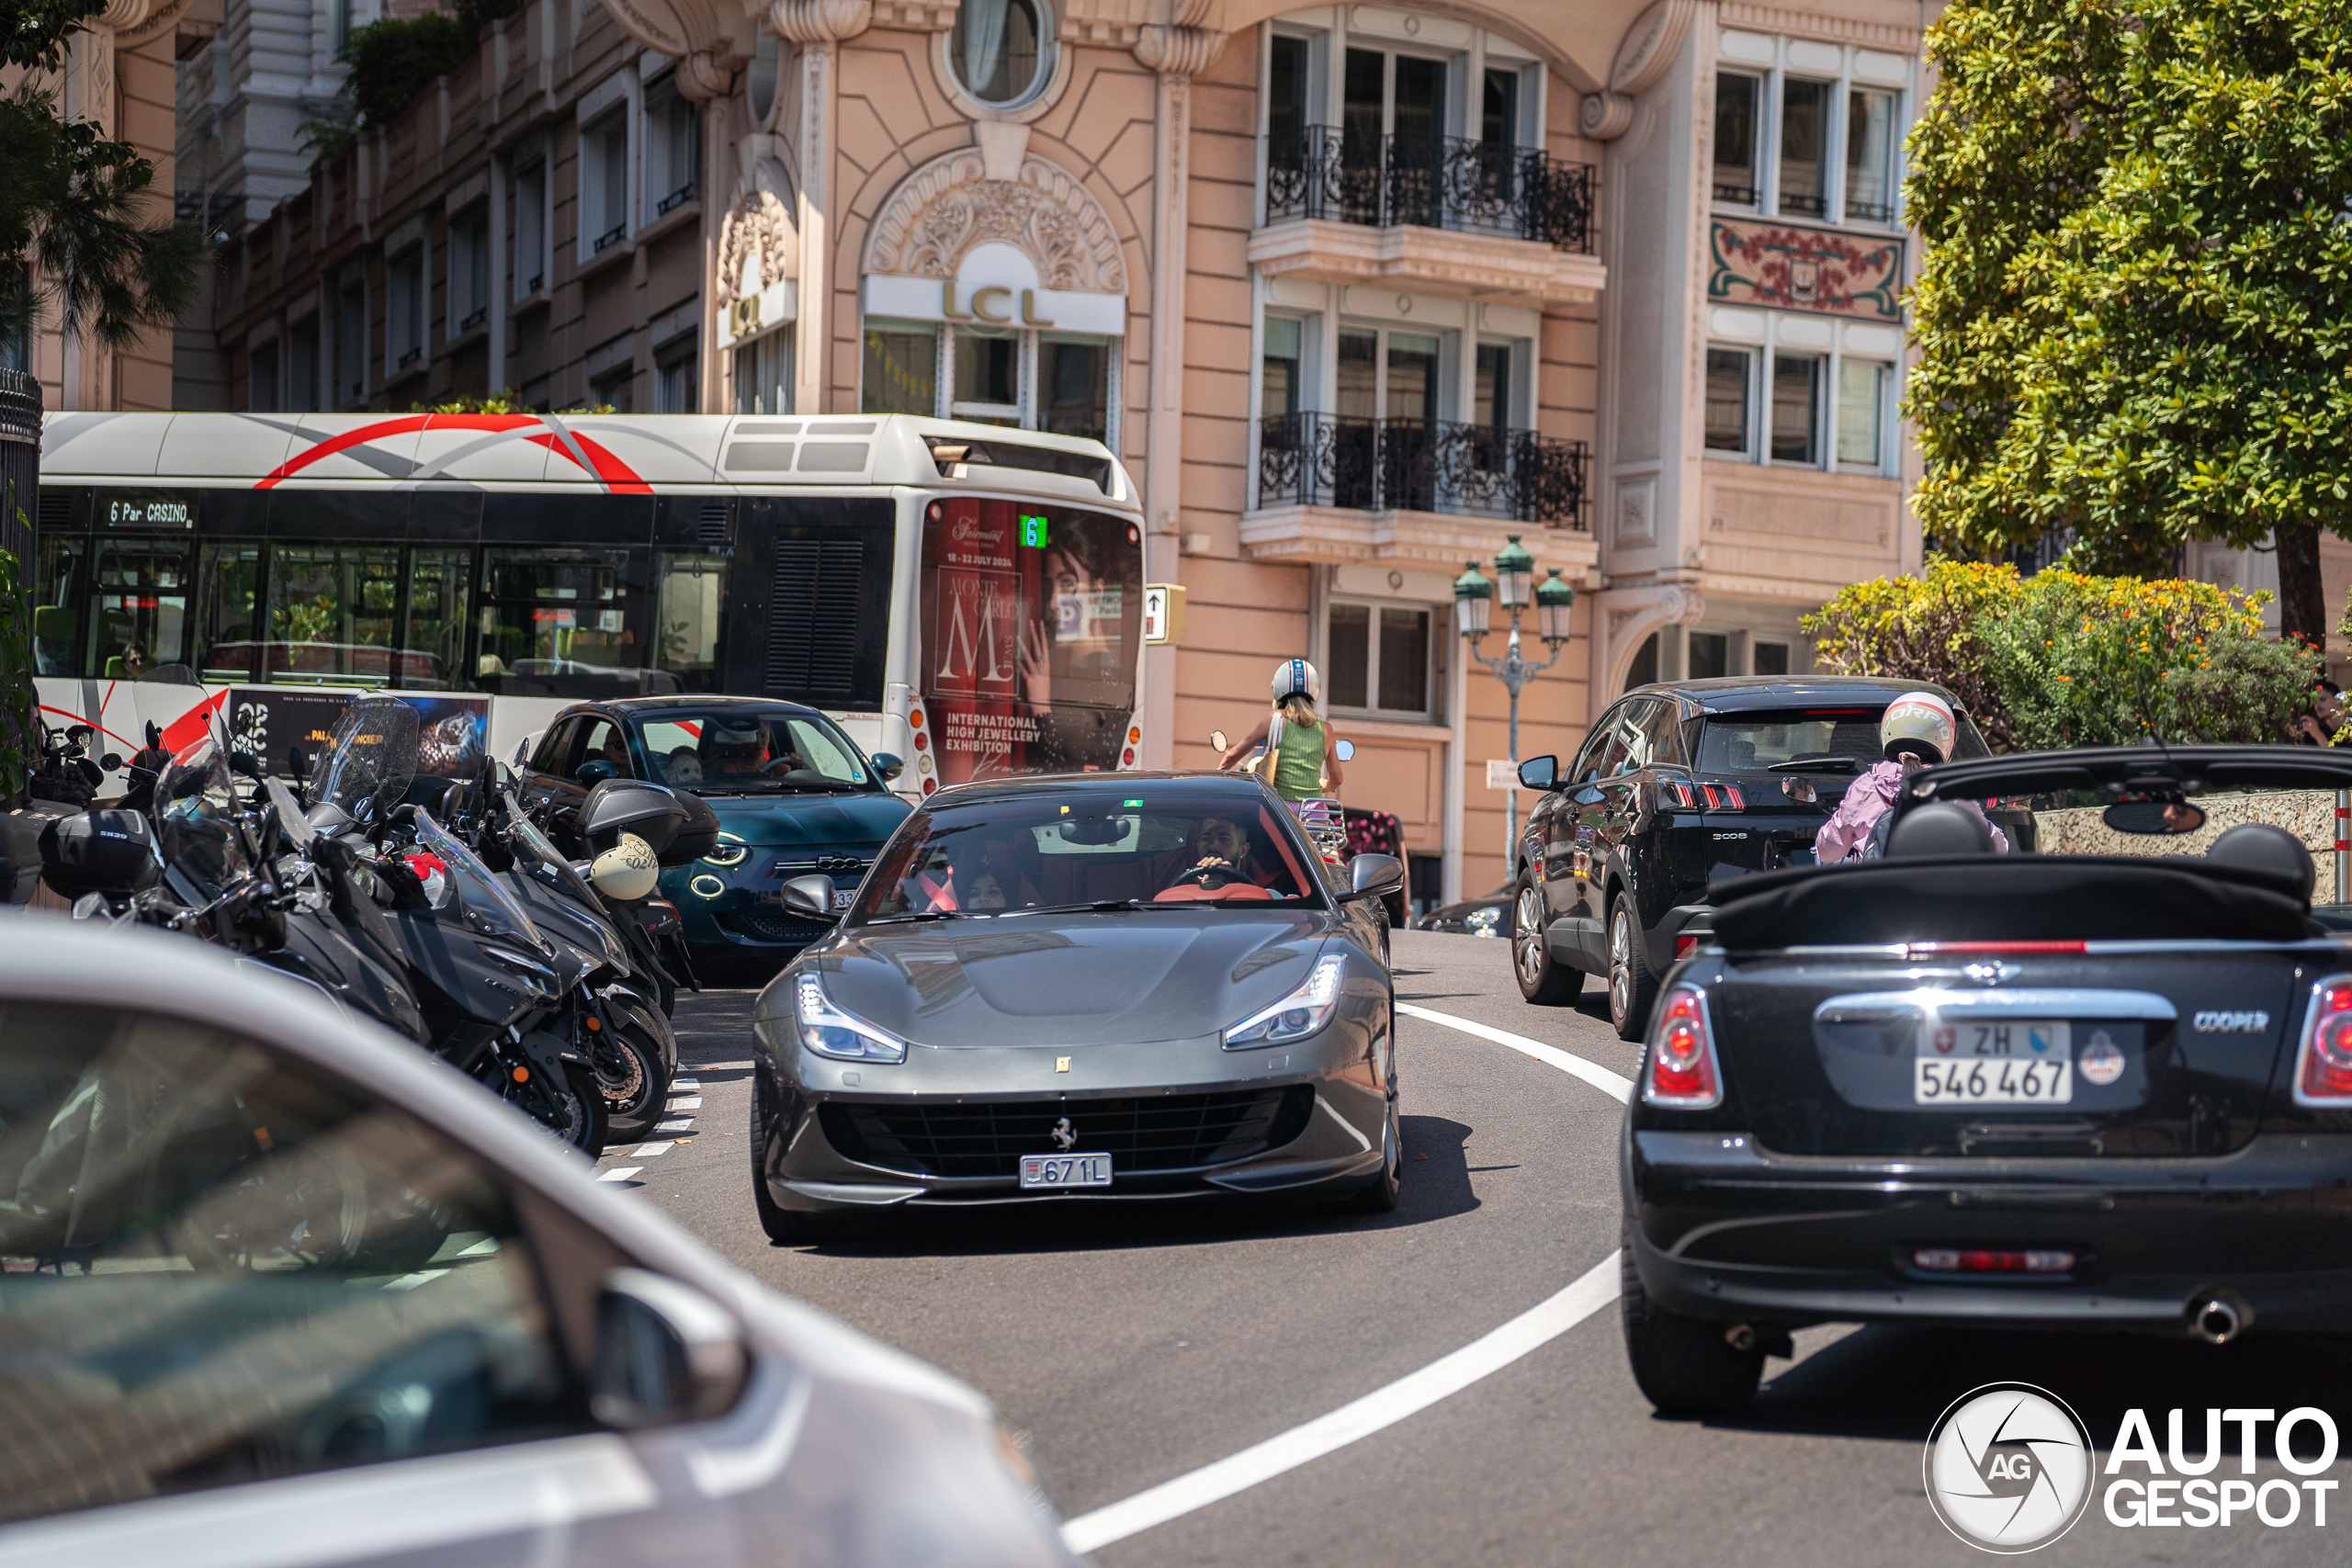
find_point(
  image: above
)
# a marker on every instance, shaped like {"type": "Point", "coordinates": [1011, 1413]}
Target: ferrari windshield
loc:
{"type": "Point", "coordinates": [1147, 845]}
{"type": "Point", "coordinates": [749, 750]}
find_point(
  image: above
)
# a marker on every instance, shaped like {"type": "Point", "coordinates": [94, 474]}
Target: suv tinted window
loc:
{"type": "Point", "coordinates": [1605, 753]}
{"type": "Point", "coordinates": [1751, 742]}
{"type": "Point", "coordinates": [1641, 735]}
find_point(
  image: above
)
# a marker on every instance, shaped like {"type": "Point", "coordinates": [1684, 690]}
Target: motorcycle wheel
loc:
{"type": "Point", "coordinates": [629, 1073]}
{"type": "Point", "coordinates": [579, 1108]}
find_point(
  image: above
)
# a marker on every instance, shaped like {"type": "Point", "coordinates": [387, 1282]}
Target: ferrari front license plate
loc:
{"type": "Point", "coordinates": [1065, 1170]}
{"type": "Point", "coordinates": [2009, 1062]}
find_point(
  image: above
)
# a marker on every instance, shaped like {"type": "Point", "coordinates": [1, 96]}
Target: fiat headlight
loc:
{"type": "Point", "coordinates": [728, 850]}
{"type": "Point", "coordinates": [831, 1032]}
{"type": "Point", "coordinates": [1297, 1015]}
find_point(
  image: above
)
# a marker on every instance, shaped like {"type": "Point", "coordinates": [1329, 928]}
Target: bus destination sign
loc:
{"type": "Point", "coordinates": [146, 509]}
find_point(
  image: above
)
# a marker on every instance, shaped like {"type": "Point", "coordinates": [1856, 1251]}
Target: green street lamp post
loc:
{"type": "Point", "coordinates": [1474, 600]}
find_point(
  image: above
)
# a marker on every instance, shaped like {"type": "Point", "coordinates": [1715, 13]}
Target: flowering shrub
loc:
{"type": "Point", "coordinates": [2063, 658]}
{"type": "Point", "coordinates": [1374, 833]}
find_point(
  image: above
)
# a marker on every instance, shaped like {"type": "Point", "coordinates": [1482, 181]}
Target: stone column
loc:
{"type": "Point", "coordinates": [707, 79]}
{"type": "Point", "coordinates": [818, 26]}
{"type": "Point", "coordinates": [1176, 51]}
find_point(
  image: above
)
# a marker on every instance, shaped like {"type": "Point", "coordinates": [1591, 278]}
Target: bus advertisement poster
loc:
{"type": "Point", "coordinates": [453, 729]}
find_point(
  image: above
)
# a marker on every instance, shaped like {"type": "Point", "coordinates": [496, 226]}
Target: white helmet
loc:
{"type": "Point", "coordinates": [1296, 677]}
{"type": "Point", "coordinates": [1920, 722]}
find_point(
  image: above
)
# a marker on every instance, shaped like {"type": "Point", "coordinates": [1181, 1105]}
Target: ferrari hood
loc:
{"type": "Point", "coordinates": [1099, 978]}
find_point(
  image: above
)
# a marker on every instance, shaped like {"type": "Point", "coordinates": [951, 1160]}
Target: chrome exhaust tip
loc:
{"type": "Point", "coordinates": [2217, 1319]}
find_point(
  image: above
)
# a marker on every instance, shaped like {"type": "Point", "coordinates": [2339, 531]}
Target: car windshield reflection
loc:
{"type": "Point", "coordinates": [1054, 854]}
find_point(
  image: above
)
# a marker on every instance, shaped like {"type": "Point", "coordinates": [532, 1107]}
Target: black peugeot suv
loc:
{"type": "Point", "coordinates": [1678, 788]}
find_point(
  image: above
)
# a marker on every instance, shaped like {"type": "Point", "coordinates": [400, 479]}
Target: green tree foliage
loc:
{"type": "Point", "coordinates": [20, 732]}
{"type": "Point", "coordinates": [2133, 311]}
{"type": "Point", "coordinates": [2063, 658]}
{"type": "Point", "coordinates": [72, 204]}
{"type": "Point", "coordinates": [393, 62]}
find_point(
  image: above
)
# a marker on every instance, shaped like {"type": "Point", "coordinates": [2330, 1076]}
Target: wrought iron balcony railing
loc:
{"type": "Point", "coordinates": [1442, 182]}
{"type": "Point", "coordinates": [1420, 465]}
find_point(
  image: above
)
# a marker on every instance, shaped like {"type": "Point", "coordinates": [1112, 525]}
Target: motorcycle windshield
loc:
{"type": "Point", "coordinates": [484, 904]}
{"type": "Point", "coordinates": [370, 757]}
{"type": "Point", "coordinates": [534, 849]}
{"type": "Point", "coordinates": [198, 829]}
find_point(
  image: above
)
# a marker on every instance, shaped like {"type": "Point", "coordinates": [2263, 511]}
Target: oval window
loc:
{"type": "Point", "coordinates": [998, 49]}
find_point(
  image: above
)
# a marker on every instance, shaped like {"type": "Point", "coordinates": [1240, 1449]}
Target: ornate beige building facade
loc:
{"type": "Point", "coordinates": [1357, 292]}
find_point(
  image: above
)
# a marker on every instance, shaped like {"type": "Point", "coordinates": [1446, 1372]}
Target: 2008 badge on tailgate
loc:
{"type": "Point", "coordinates": [2009, 1062]}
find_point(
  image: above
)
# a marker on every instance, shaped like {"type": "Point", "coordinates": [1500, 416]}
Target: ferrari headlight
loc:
{"type": "Point", "coordinates": [1297, 1015]}
{"type": "Point", "coordinates": [831, 1032]}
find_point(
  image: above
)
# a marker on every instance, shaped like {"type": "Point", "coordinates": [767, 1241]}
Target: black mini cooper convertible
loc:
{"type": "Point", "coordinates": [2103, 1086]}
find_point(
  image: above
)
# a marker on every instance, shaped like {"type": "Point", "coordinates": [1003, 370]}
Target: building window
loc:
{"type": "Point", "coordinates": [612, 389]}
{"type": "Point", "coordinates": [404, 291]}
{"type": "Point", "coordinates": [302, 365]}
{"type": "Point", "coordinates": [987, 385]}
{"type": "Point", "coordinates": [675, 369]}
{"type": "Point", "coordinates": [1710, 655]}
{"type": "Point", "coordinates": [1378, 659]}
{"type": "Point", "coordinates": [1281, 367]}
{"type": "Point", "coordinates": [1739, 100]}
{"type": "Point", "coordinates": [351, 341]}
{"type": "Point", "coordinates": [1074, 386]}
{"type": "Point", "coordinates": [1804, 148]}
{"type": "Point", "coordinates": [1288, 115]}
{"type": "Point", "coordinates": [1490, 398]}
{"type": "Point", "coordinates": [763, 373]}
{"type": "Point", "coordinates": [1796, 408]}
{"type": "Point", "coordinates": [1770, 657]}
{"type": "Point", "coordinates": [1001, 51]}
{"type": "Point", "coordinates": [672, 149]}
{"type": "Point", "coordinates": [1870, 156]}
{"type": "Point", "coordinates": [901, 368]}
{"type": "Point", "coordinates": [1862, 403]}
{"type": "Point", "coordinates": [604, 184]}
{"type": "Point", "coordinates": [468, 270]}
{"type": "Point", "coordinates": [261, 378]}
{"type": "Point", "coordinates": [530, 228]}
{"type": "Point", "coordinates": [1729, 373]}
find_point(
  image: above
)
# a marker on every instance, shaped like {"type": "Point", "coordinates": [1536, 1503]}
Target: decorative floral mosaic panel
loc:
{"type": "Point", "coordinates": [1781, 266]}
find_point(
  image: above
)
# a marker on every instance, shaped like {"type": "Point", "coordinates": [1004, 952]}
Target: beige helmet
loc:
{"type": "Point", "coordinates": [1920, 722]}
{"type": "Point", "coordinates": [628, 871]}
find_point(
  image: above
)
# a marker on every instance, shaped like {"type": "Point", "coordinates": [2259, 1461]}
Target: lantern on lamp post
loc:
{"type": "Point", "coordinates": [1473, 599]}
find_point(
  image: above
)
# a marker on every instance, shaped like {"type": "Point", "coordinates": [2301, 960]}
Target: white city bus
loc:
{"type": "Point", "coordinates": [965, 597]}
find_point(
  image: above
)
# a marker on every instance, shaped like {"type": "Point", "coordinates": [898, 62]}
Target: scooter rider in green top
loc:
{"type": "Point", "coordinates": [1300, 759]}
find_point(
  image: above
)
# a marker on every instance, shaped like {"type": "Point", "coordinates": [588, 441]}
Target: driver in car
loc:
{"type": "Point", "coordinates": [736, 751]}
{"type": "Point", "coordinates": [1224, 844]}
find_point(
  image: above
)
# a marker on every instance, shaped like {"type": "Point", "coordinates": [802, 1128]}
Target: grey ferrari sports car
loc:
{"type": "Point", "coordinates": [1117, 985]}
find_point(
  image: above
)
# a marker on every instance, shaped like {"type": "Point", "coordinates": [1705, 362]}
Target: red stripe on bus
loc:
{"type": "Point", "coordinates": [407, 424]}
{"type": "Point", "coordinates": [618, 477]}
{"type": "Point", "coordinates": [192, 726]}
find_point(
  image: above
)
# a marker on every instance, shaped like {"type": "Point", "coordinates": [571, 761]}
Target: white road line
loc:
{"type": "Point", "coordinates": [682, 1124]}
{"type": "Point", "coordinates": [677, 1083]}
{"type": "Point", "coordinates": [1384, 1407]}
{"type": "Point", "coordinates": [618, 1173]}
{"type": "Point", "coordinates": [1599, 1077]}
{"type": "Point", "coordinates": [647, 1151]}
{"type": "Point", "coordinates": [691, 1102]}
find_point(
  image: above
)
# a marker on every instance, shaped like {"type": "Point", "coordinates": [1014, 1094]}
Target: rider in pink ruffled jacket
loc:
{"type": "Point", "coordinates": [1917, 731]}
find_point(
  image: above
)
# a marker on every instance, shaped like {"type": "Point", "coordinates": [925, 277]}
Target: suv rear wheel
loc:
{"type": "Point", "coordinates": [1542, 979]}
{"type": "Point", "coordinates": [1632, 986]}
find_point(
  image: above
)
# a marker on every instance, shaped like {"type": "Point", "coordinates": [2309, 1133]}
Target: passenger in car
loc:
{"type": "Point", "coordinates": [981, 891]}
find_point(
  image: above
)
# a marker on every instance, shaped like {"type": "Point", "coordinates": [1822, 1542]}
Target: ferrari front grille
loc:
{"type": "Point", "coordinates": [1153, 1133]}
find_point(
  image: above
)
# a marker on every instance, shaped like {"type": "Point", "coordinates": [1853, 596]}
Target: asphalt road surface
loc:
{"type": "Point", "coordinates": [1445, 1384]}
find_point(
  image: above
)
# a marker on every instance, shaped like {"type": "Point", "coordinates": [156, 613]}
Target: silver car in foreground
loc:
{"type": "Point", "coordinates": [1102, 986]}
{"type": "Point", "coordinates": [276, 1289]}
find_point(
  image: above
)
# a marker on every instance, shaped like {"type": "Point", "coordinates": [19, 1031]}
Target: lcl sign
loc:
{"type": "Point", "coordinates": [995, 285]}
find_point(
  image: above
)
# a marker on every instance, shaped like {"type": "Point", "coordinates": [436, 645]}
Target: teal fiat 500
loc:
{"type": "Point", "coordinates": [794, 795]}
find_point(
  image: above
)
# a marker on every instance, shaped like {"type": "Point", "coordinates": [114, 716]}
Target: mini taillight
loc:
{"type": "Point", "coordinates": [1979, 1260]}
{"type": "Point", "coordinates": [2323, 1071]}
{"type": "Point", "coordinates": [1682, 1054]}
{"type": "Point", "coordinates": [1683, 944]}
